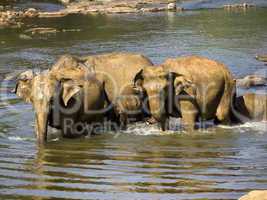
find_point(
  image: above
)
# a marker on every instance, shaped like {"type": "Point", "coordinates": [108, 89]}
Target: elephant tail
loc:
{"type": "Point", "coordinates": [223, 112]}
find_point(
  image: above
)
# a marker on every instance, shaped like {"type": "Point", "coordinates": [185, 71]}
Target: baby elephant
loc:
{"type": "Point", "coordinates": [128, 106]}
{"type": "Point", "coordinates": [249, 107]}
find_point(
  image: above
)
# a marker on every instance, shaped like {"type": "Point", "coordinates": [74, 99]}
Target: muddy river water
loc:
{"type": "Point", "coordinates": [141, 163]}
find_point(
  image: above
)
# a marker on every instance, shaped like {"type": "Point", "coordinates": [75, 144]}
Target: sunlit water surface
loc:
{"type": "Point", "coordinates": [141, 163]}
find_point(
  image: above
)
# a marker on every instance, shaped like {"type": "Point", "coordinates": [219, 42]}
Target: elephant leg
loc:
{"type": "Point", "coordinates": [189, 114]}
{"type": "Point", "coordinates": [224, 108]}
{"type": "Point", "coordinates": [164, 123]}
{"type": "Point", "coordinates": [123, 121]}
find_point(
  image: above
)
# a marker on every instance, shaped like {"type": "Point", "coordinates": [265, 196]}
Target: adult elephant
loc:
{"type": "Point", "coordinates": [195, 87]}
{"type": "Point", "coordinates": [94, 82]}
{"type": "Point", "coordinates": [250, 107]}
{"type": "Point", "coordinates": [116, 72]}
{"type": "Point", "coordinates": [59, 102]}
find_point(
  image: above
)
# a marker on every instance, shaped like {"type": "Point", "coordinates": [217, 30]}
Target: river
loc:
{"type": "Point", "coordinates": [141, 163]}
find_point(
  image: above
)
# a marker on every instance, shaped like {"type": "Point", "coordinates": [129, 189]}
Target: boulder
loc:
{"type": "Point", "coordinates": [11, 19]}
{"type": "Point", "coordinates": [262, 57]}
{"type": "Point", "coordinates": [65, 1]}
{"type": "Point", "coordinates": [31, 12]}
{"type": "Point", "coordinates": [171, 6]}
{"type": "Point", "coordinates": [53, 14]}
{"type": "Point", "coordinates": [255, 195]}
{"type": "Point", "coordinates": [238, 6]}
{"type": "Point", "coordinates": [41, 30]}
{"type": "Point", "coordinates": [251, 80]}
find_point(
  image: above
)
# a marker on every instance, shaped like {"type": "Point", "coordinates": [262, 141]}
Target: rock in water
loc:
{"type": "Point", "coordinates": [31, 12]}
{"type": "Point", "coordinates": [255, 195]}
{"type": "Point", "coordinates": [251, 80]}
{"type": "Point", "coordinates": [42, 30]}
{"type": "Point", "coordinates": [238, 6]}
{"type": "Point", "coordinates": [65, 1]}
{"type": "Point", "coordinates": [262, 57]}
{"type": "Point", "coordinates": [172, 6]}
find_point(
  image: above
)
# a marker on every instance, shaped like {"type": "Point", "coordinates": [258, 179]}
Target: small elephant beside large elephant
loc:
{"type": "Point", "coordinates": [83, 89]}
{"type": "Point", "coordinates": [193, 88]}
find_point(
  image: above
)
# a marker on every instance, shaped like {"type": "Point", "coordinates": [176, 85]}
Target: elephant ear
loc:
{"type": "Point", "coordinates": [183, 84]}
{"type": "Point", "coordinates": [138, 81]}
{"type": "Point", "coordinates": [23, 85]}
{"type": "Point", "coordinates": [69, 89]}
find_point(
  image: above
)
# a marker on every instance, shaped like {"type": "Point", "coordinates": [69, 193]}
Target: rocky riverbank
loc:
{"type": "Point", "coordinates": [12, 18]}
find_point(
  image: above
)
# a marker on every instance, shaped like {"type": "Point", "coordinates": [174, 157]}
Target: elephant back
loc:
{"type": "Point", "coordinates": [212, 79]}
{"type": "Point", "coordinates": [117, 70]}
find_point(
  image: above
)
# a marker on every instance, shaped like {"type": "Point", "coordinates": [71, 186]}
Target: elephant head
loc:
{"type": "Point", "coordinates": [162, 88]}
{"type": "Point", "coordinates": [37, 90]}
{"type": "Point", "coordinates": [23, 85]}
{"type": "Point", "coordinates": [54, 100]}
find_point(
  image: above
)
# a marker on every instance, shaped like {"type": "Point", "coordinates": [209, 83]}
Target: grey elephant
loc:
{"type": "Point", "coordinates": [55, 101]}
{"type": "Point", "coordinates": [250, 107]}
{"type": "Point", "coordinates": [116, 72]}
{"type": "Point", "coordinates": [95, 82]}
{"type": "Point", "coordinates": [193, 88]}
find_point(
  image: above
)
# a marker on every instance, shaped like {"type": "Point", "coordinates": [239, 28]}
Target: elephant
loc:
{"type": "Point", "coordinates": [195, 88]}
{"type": "Point", "coordinates": [97, 82]}
{"type": "Point", "coordinates": [250, 107]}
{"type": "Point", "coordinates": [129, 106]}
{"type": "Point", "coordinates": [116, 72]}
{"type": "Point", "coordinates": [56, 101]}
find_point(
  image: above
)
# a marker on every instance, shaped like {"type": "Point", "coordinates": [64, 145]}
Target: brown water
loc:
{"type": "Point", "coordinates": [140, 163]}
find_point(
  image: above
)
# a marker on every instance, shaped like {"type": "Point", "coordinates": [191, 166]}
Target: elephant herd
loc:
{"type": "Point", "coordinates": [126, 87]}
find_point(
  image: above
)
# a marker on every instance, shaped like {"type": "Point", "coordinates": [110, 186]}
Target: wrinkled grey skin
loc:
{"type": "Point", "coordinates": [55, 101]}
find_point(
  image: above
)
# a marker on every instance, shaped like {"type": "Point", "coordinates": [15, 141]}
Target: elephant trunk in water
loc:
{"type": "Point", "coordinates": [41, 124]}
{"type": "Point", "coordinates": [152, 80]}
{"type": "Point", "coordinates": [43, 91]}
{"type": "Point", "coordinates": [157, 109]}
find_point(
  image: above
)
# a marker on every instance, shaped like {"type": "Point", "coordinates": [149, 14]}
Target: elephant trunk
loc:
{"type": "Point", "coordinates": [41, 124]}
{"type": "Point", "coordinates": [157, 110]}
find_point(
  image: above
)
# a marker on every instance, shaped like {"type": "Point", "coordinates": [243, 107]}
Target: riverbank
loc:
{"type": "Point", "coordinates": [12, 17]}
